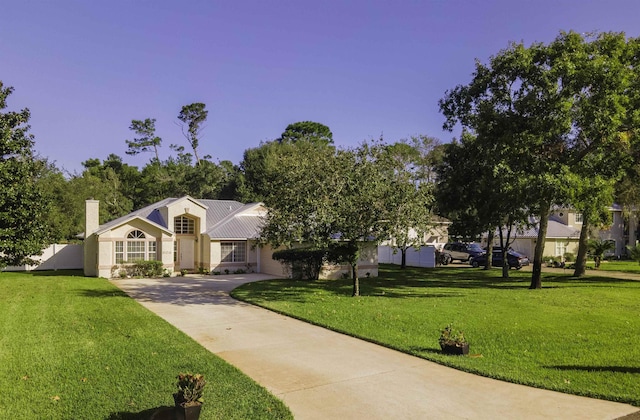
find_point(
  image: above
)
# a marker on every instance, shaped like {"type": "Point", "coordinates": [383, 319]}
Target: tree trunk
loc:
{"type": "Point", "coordinates": [536, 276]}
{"type": "Point", "coordinates": [356, 282]}
{"type": "Point", "coordinates": [503, 247]}
{"type": "Point", "coordinates": [490, 236]}
{"type": "Point", "coordinates": [581, 259]}
{"type": "Point", "coordinates": [403, 263]}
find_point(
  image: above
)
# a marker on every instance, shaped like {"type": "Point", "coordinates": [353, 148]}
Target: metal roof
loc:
{"type": "Point", "coordinates": [232, 220]}
{"type": "Point", "coordinates": [225, 218]}
{"type": "Point", "coordinates": [555, 229]}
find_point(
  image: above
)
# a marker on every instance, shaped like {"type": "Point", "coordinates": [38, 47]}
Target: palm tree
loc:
{"type": "Point", "coordinates": [634, 252]}
{"type": "Point", "coordinates": [598, 247]}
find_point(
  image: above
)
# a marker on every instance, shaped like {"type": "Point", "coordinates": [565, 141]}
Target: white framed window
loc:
{"type": "Point", "coordinates": [135, 247]}
{"type": "Point", "coordinates": [561, 248]}
{"type": "Point", "coordinates": [235, 251]}
{"type": "Point", "coordinates": [152, 247]}
{"type": "Point", "coordinates": [119, 252]}
{"type": "Point", "coordinates": [579, 218]}
{"type": "Point", "coordinates": [184, 225]}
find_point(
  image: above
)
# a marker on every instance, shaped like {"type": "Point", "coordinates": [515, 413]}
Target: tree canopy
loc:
{"type": "Point", "coordinates": [552, 111]}
{"type": "Point", "coordinates": [24, 230]}
{"type": "Point", "coordinates": [310, 131]}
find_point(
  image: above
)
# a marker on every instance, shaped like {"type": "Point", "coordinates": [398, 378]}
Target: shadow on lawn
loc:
{"type": "Point", "coordinates": [617, 369]}
{"type": "Point", "coordinates": [158, 413]}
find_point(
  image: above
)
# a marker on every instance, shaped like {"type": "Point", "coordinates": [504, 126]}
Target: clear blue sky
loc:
{"type": "Point", "coordinates": [86, 68]}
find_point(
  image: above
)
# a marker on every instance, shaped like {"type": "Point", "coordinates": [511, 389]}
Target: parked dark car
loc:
{"type": "Point", "coordinates": [516, 260]}
{"type": "Point", "coordinates": [461, 251]}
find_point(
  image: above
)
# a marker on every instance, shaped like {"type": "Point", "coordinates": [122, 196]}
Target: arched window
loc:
{"type": "Point", "coordinates": [135, 248]}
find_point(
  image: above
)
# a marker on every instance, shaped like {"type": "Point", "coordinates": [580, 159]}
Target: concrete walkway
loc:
{"type": "Point", "coordinates": [321, 374]}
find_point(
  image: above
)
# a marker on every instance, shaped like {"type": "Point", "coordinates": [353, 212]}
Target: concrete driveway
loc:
{"type": "Point", "coordinates": [321, 374]}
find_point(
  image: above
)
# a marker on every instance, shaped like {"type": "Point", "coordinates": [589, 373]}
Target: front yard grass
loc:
{"type": "Point", "coordinates": [78, 348]}
{"type": "Point", "coordinates": [579, 336]}
{"type": "Point", "coordinates": [625, 266]}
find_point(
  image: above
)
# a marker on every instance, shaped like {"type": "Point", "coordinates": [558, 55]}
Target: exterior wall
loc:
{"type": "Point", "coordinates": [250, 264]}
{"type": "Point", "coordinates": [90, 257]}
{"type": "Point", "coordinates": [165, 251]}
{"type": "Point", "coordinates": [188, 208]}
{"type": "Point", "coordinates": [527, 246]}
{"type": "Point", "coordinates": [615, 232]}
{"type": "Point", "coordinates": [106, 248]}
{"type": "Point", "coordinates": [270, 266]}
{"type": "Point", "coordinates": [205, 242]}
{"type": "Point", "coordinates": [91, 223]}
{"type": "Point", "coordinates": [55, 257]}
{"type": "Point", "coordinates": [563, 215]}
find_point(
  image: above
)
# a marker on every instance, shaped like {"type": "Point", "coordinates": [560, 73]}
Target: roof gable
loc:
{"type": "Point", "coordinates": [225, 219]}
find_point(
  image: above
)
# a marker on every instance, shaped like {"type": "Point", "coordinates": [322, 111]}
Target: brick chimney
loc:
{"type": "Point", "coordinates": [91, 217]}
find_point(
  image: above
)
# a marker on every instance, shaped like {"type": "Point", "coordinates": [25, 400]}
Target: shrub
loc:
{"type": "Point", "coordinates": [550, 260]}
{"type": "Point", "coordinates": [151, 268]}
{"type": "Point", "coordinates": [304, 263]}
{"type": "Point", "coordinates": [569, 257]}
{"type": "Point", "coordinates": [139, 268]}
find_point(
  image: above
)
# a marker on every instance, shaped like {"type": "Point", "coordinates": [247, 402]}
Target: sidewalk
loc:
{"type": "Point", "coordinates": [321, 374]}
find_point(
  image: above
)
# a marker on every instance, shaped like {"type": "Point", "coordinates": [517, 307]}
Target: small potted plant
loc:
{"type": "Point", "coordinates": [189, 399]}
{"type": "Point", "coordinates": [452, 341]}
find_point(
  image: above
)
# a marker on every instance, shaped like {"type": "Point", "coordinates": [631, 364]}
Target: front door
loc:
{"type": "Point", "coordinates": [187, 253]}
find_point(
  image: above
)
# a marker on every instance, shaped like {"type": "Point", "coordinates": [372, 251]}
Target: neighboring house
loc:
{"type": "Point", "coordinates": [563, 234]}
{"type": "Point", "coordinates": [188, 234]}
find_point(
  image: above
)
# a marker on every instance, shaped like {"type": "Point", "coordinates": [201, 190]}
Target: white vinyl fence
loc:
{"type": "Point", "coordinates": [55, 257]}
{"type": "Point", "coordinates": [422, 257]}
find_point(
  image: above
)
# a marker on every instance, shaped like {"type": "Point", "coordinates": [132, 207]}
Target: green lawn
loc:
{"type": "Point", "coordinates": [625, 266]}
{"type": "Point", "coordinates": [78, 348]}
{"type": "Point", "coordinates": [575, 336]}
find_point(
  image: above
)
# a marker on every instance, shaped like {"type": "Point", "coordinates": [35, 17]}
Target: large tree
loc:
{"type": "Point", "coordinates": [23, 206]}
{"type": "Point", "coordinates": [192, 117]}
{"type": "Point", "coordinates": [310, 131]}
{"type": "Point", "coordinates": [325, 197]}
{"type": "Point", "coordinates": [550, 107]}
{"type": "Point", "coordinates": [259, 165]}
{"type": "Point", "coordinates": [146, 140]}
{"type": "Point", "coordinates": [410, 201]}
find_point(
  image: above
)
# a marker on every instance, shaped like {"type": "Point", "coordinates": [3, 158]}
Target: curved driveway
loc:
{"type": "Point", "coordinates": [322, 374]}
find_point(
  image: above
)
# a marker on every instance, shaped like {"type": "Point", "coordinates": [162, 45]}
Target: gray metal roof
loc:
{"type": "Point", "coordinates": [235, 224]}
{"type": "Point", "coordinates": [149, 213]}
{"type": "Point", "coordinates": [555, 229]}
{"type": "Point", "coordinates": [224, 218]}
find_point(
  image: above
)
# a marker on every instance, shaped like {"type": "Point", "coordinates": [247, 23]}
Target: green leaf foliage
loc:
{"type": "Point", "coordinates": [23, 204]}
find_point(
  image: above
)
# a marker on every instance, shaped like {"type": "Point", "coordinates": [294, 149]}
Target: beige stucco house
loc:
{"type": "Point", "coordinates": [189, 234]}
{"type": "Point", "coordinates": [563, 233]}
